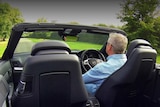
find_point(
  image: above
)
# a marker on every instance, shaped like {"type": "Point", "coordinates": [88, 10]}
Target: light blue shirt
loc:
{"type": "Point", "coordinates": [96, 75]}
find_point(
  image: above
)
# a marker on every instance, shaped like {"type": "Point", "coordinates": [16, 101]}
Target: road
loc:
{"type": "Point", "coordinates": [25, 45]}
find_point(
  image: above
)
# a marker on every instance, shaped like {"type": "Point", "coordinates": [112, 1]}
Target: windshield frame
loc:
{"type": "Point", "coordinates": [20, 28]}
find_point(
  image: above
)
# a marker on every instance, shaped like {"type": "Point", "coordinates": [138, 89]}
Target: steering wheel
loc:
{"type": "Point", "coordinates": [90, 58]}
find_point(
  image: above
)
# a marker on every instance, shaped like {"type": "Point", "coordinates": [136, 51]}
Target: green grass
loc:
{"type": "Point", "coordinates": [82, 46]}
{"type": "Point", "coordinates": [78, 45]}
{"type": "Point", "coordinates": [158, 59]}
{"type": "Point", "coordinates": [3, 45]}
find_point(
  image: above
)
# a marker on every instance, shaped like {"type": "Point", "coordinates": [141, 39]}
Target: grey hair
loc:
{"type": "Point", "coordinates": [119, 42]}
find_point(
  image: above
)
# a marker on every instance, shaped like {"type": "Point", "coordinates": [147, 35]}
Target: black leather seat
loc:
{"type": "Point", "coordinates": [126, 86]}
{"type": "Point", "coordinates": [135, 44]}
{"type": "Point", "coordinates": [51, 78]}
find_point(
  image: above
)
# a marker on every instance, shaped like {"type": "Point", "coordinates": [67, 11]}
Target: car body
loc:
{"type": "Point", "coordinates": [85, 42]}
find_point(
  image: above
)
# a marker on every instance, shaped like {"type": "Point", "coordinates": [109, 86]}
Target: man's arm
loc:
{"type": "Point", "coordinates": [92, 75]}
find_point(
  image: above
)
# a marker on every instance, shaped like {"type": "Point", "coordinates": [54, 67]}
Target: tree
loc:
{"type": "Point", "coordinates": [8, 17]}
{"type": "Point", "coordinates": [74, 23]}
{"type": "Point", "coordinates": [157, 29]}
{"type": "Point", "coordinates": [138, 16]}
{"type": "Point", "coordinates": [42, 34]}
{"type": "Point", "coordinates": [100, 24]}
{"type": "Point", "coordinates": [42, 20]}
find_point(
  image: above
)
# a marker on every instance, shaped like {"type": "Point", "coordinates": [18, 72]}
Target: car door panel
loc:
{"type": "Point", "coordinates": [17, 63]}
{"type": "Point", "coordinates": [6, 70]}
{"type": "Point", "coordinates": [5, 76]}
{"type": "Point", "coordinates": [4, 90]}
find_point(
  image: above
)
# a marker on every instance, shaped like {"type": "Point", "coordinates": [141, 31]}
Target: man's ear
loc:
{"type": "Point", "coordinates": [109, 46]}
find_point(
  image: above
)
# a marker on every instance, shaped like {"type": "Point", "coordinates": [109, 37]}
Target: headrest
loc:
{"type": "Point", "coordinates": [51, 46]}
{"type": "Point", "coordinates": [137, 43]}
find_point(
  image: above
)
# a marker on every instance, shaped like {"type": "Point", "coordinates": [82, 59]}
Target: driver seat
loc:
{"type": "Point", "coordinates": [135, 44]}
{"type": "Point", "coordinates": [127, 85]}
{"type": "Point", "coordinates": [51, 78]}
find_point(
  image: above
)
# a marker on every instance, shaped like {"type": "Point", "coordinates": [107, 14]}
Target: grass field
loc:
{"type": "Point", "coordinates": [2, 47]}
{"type": "Point", "coordinates": [158, 59]}
{"type": "Point", "coordinates": [83, 46]}
{"type": "Point", "coordinates": [73, 46]}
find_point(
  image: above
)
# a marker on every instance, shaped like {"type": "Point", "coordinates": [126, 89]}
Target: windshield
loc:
{"type": "Point", "coordinates": [81, 41]}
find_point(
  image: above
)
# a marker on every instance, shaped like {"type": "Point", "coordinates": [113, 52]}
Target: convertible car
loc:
{"type": "Point", "coordinates": [43, 63]}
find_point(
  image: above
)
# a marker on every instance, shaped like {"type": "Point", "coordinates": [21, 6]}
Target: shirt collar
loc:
{"type": "Point", "coordinates": [117, 56]}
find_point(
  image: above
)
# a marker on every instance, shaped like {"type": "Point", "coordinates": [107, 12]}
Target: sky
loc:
{"type": "Point", "coordinates": [87, 12]}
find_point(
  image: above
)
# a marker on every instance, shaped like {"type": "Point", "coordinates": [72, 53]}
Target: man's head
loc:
{"type": "Point", "coordinates": [116, 44]}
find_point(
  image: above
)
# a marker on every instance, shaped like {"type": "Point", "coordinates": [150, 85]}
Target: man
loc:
{"type": "Point", "coordinates": [115, 48]}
